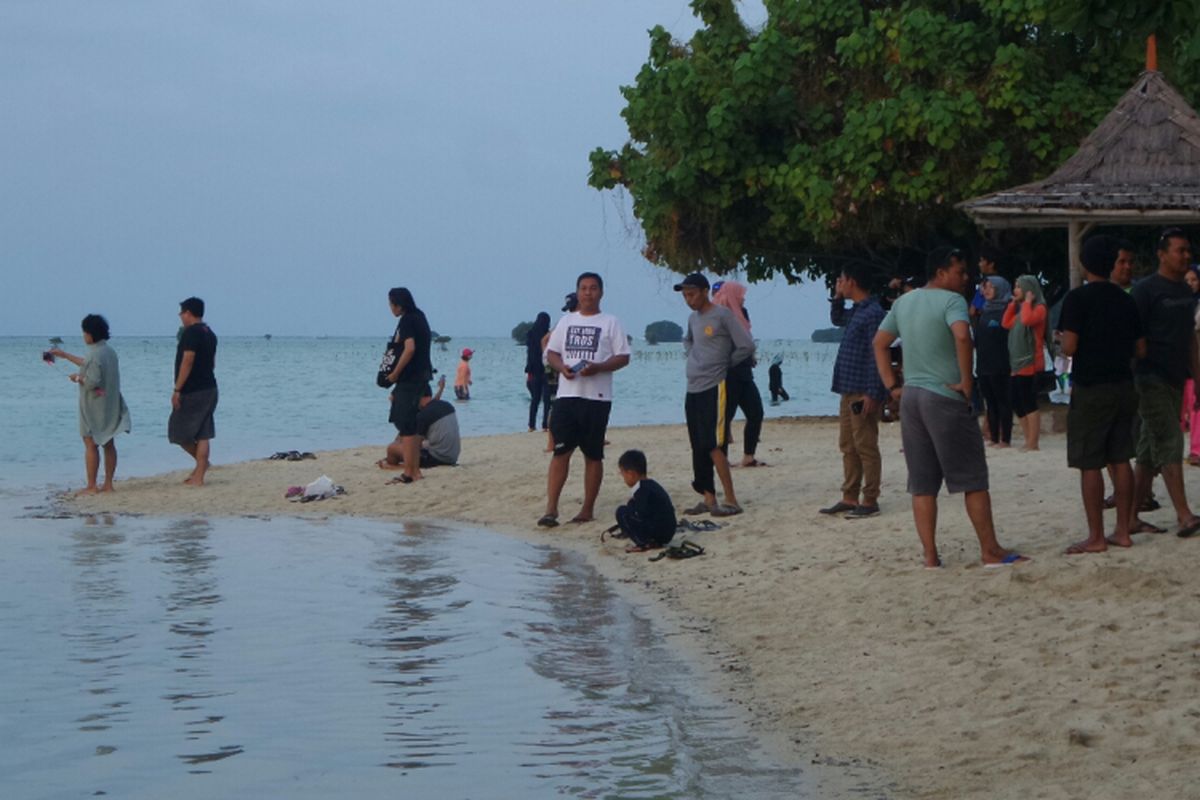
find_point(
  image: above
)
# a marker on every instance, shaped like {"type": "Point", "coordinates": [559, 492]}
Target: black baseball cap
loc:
{"type": "Point", "coordinates": [695, 280]}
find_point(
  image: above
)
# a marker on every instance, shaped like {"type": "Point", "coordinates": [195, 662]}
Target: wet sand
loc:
{"type": "Point", "coordinates": [1066, 677]}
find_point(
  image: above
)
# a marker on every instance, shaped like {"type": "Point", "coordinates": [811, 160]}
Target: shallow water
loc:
{"type": "Point", "coordinates": [201, 658]}
{"type": "Point", "coordinates": [319, 394]}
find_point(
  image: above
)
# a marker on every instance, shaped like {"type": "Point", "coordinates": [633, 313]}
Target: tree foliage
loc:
{"type": "Point", "coordinates": [844, 131]}
{"type": "Point", "coordinates": [520, 330]}
{"type": "Point", "coordinates": [663, 331]}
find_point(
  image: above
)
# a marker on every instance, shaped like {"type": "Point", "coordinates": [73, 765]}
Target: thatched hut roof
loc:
{"type": "Point", "coordinates": [1141, 165]}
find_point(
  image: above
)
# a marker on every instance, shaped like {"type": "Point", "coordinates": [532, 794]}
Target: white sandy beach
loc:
{"type": "Point", "coordinates": [1067, 677]}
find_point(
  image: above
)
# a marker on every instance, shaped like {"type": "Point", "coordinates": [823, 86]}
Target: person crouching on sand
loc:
{"type": "Point", "coordinates": [648, 519]}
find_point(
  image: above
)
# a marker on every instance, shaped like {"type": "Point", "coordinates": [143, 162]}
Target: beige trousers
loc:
{"type": "Point", "coordinates": [858, 439]}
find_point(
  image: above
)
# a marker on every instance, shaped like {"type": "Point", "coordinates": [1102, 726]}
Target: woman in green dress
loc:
{"type": "Point", "coordinates": [102, 410]}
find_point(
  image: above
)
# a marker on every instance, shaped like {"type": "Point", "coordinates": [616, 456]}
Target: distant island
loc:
{"type": "Point", "coordinates": [827, 335]}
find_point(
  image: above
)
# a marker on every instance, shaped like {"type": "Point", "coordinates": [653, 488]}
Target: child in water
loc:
{"type": "Point", "coordinates": [462, 379]}
{"type": "Point", "coordinates": [648, 519]}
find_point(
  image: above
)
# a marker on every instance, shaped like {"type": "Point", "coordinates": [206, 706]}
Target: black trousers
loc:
{"type": "Point", "coordinates": [997, 400]}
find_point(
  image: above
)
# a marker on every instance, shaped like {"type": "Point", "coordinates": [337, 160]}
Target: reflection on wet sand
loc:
{"type": "Point", "coordinates": [190, 564]}
{"type": "Point", "coordinates": [96, 636]}
{"type": "Point", "coordinates": [423, 662]}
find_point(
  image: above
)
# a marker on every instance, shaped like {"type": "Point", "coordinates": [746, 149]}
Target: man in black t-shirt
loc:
{"type": "Point", "coordinates": [411, 377]}
{"type": "Point", "coordinates": [195, 397]}
{"type": "Point", "coordinates": [1101, 332]}
{"type": "Point", "coordinates": [1167, 309]}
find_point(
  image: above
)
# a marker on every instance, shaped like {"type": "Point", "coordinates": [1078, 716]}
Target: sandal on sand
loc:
{"type": "Point", "coordinates": [1189, 530]}
{"type": "Point", "coordinates": [1147, 527]}
{"type": "Point", "coordinates": [1008, 561]}
{"type": "Point", "coordinates": [401, 479]}
{"type": "Point", "coordinates": [699, 525]}
{"type": "Point", "coordinates": [700, 508]}
{"type": "Point", "coordinates": [548, 521]}
{"type": "Point", "coordinates": [724, 510]}
{"type": "Point", "coordinates": [684, 549]}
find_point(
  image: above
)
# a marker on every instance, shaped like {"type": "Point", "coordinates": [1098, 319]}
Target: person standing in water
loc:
{"type": "Point", "coordinates": [102, 410]}
{"type": "Point", "coordinates": [775, 380]}
{"type": "Point", "coordinates": [462, 377]}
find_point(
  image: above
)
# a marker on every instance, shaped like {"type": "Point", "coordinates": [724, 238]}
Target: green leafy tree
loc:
{"type": "Point", "coordinates": [845, 131]}
{"type": "Point", "coordinates": [520, 330]}
{"type": "Point", "coordinates": [663, 331]}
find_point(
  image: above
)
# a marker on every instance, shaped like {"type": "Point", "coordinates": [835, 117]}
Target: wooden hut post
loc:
{"type": "Point", "coordinates": [1075, 230]}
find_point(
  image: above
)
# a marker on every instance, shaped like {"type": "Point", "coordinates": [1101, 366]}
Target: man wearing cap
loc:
{"type": "Point", "coordinates": [585, 348]}
{"type": "Point", "coordinates": [462, 378]}
{"type": "Point", "coordinates": [714, 341]}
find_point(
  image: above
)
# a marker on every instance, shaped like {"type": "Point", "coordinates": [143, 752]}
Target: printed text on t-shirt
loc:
{"type": "Point", "coordinates": [583, 341]}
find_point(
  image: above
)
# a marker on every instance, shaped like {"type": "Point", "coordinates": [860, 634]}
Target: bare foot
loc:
{"type": "Point", "coordinates": [581, 518]}
{"type": "Point", "coordinates": [1087, 546]}
{"type": "Point", "coordinates": [108, 487]}
{"type": "Point", "coordinates": [1120, 540]}
{"type": "Point", "coordinates": [383, 463]}
{"type": "Point", "coordinates": [87, 490]}
{"type": "Point", "coordinates": [193, 481]}
{"type": "Point", "coordinates": [1141, 526]}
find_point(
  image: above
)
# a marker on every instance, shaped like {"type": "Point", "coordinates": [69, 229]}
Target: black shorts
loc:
{"type": "Point", "coordinates": [193, 420]}
{"type": "Point", "coordinates": [1024, 394]}
{"type": "Point", "coordinates": [581, 423]}
{"type": "Point", "coordinates": [406, 402]}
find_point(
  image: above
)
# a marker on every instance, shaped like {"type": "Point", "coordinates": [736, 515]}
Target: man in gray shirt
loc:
{"type": "Point", "coordinates": [714, 341]}
{"type": "Point", "coordinates": [437, 425]}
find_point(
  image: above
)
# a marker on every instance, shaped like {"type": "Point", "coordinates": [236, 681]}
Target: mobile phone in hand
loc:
{"type": "Point", "coordinates": [578, 368]}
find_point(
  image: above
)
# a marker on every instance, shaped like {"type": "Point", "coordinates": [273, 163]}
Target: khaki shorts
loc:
{"type": "Point", "coordinates": [1160, 442]}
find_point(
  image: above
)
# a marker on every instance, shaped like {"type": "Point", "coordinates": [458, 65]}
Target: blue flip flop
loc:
{"type": "Point", "coordinates": [1008, 561]}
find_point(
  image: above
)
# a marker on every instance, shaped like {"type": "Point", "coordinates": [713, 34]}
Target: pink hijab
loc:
{"type": "Point", "coordinates": [732, 295]}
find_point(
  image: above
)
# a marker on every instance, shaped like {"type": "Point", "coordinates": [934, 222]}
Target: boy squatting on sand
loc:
{"type": "Point", "coordinates": [648, 519]}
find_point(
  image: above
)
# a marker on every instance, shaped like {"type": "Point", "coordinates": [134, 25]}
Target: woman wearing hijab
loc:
{"type": "Point", "coordinates": [1025, 320]}
{"type": "Point", "coordinates": [535, 371]}
{"type": "Point", "coordinates": [739, 381]}
{"type": "Point", "coordinates": [102, 410]}
{"type": "Point", "coordinates": [991, 360]}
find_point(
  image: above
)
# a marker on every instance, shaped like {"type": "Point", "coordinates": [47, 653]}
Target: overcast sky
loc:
{"type": "Point", "coordinates": [290, 160]}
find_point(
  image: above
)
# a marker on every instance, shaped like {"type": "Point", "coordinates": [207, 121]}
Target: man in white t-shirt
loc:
{"type": "Point", "coordinates": [586, 347]}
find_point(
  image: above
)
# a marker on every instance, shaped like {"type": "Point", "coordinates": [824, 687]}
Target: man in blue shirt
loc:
{"type": "Point", "coordinates": [857, 380]}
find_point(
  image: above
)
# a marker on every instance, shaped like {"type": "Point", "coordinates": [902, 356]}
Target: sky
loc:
{"type": "Point", "coordinates": [291, 160]}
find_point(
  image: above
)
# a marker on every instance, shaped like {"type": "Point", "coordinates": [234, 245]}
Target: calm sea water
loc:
{"type": "Point", "coordinates": [316, 394]}
{"type": "Point", "coordinates": [216, 657]}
